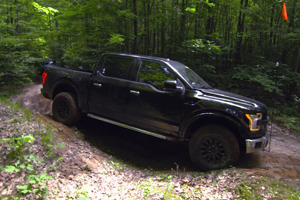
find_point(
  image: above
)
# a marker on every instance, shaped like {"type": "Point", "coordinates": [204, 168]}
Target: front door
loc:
{"type": "Point", "coordinates": [150, 106]}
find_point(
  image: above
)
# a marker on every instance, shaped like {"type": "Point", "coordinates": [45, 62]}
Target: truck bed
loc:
{"type": "Point", "coordinates": [58, 76]}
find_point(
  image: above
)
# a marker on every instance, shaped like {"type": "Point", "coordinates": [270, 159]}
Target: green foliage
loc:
{"type": "Point", "coordinates": [83, 192]}
{"type": "Point", "coordinates": [201, 47]}
{"type": "Point", "coordinates": [191, 10]}
{"type": "Point", "coordinates": [266, 188]}
{"type": "Point", "coordinates": [246, 192]}
{"type": "Point", "coordinates": [19, 157]}
{"type": "Point", "coordinates": [25, 163]}
{"type": "Point", "coordinates": [46, 10]}
{"type": "Point", "coordinates": [117, 165]}
{"type": "Point", "coordinates": [116, 39]}
{"type": "Point", "coordinates": [18, 146]}
{"type": "Point", "coordinates": [22, 45]}
{"type": "Point", "coordinates": [208, 4]}
{"type": "Point", "coordinates": [35, 180]}
{"type": "Point", "coordinates": [276, 86]}
{"type": "Point", "coordinates": [231, 44]}
{"type": "Point", "coordinates": [288, 122]}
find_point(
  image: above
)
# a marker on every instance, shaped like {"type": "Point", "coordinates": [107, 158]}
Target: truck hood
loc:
{"type": "Point", "coordinates": [231, 99]}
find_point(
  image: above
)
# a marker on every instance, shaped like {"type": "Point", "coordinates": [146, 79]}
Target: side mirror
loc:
{"type": "Point", "coordinates": [170, 85]}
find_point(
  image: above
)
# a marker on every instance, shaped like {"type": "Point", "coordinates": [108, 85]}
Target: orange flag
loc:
{"type": "Point", "coordinates": [284, 13]}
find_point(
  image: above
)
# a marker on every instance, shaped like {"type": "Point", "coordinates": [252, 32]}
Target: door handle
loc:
{"type": "Point", "coordinates": [134, 92]}
{"type": "Point", "coordinates": [97, 84]}
{"type": "Point", "coordinates": [189, 103]}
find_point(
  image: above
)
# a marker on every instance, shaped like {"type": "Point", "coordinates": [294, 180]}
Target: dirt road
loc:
{"type": "Point", "coordinates": [282, 161]}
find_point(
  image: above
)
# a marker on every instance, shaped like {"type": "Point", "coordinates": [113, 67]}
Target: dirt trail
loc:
{"type": "Point", "coordinates": [283, 160]}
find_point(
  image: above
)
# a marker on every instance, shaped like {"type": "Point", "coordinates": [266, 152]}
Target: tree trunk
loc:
{"type": "Point", "coordinates": [163, 32]}
{"type": "Point", "coordinates": [182, 22]}
{"type": "Point", "coordinates": [240, 32]}
{"type": "Point", "coordinates": [135, 28]}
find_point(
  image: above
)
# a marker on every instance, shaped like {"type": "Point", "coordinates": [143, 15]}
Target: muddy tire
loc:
{"type": "Point", "coordinates": [65, 108]}
{"type": "Point", "coordinates": [213, 147]}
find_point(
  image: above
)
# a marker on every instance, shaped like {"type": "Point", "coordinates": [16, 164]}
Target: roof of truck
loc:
{"type": "Point", "coordinates": [140, 56]}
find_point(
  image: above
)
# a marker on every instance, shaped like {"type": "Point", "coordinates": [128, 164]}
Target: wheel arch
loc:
{"type": "Point", "coordinates": [80, 91]}
{"type": "Point", "coordinates": [64, 85]}
{"type": "Point", "coordinates": [208, 118]}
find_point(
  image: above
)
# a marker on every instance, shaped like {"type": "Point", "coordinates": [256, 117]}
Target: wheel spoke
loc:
{"type": "Point", "coordinates": [213, 151]}
{"type": "Point", "coordinates": [63, 110]}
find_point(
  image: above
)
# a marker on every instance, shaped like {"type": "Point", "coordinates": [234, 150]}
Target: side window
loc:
{"type": "Point", "coordinates": [155, 74]}
{"type": "Point", "coordinates": [117, 67]}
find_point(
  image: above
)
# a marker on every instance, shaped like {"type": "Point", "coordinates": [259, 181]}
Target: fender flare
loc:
{"type": "Point", "coordinates": [67, 85]}
{"type": "Point", "coordinates": [64, 84]}
{"type": "Point", "coordinates": [214, 117]}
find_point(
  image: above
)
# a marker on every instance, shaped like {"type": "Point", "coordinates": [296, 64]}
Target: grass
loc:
{"type": "Point", "coordinates": [211, 186]}
{"type": "Point", "coordinates": [266, 188]}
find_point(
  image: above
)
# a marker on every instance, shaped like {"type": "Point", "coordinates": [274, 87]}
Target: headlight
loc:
{"type": "Point", "coordinates": [253, 121]}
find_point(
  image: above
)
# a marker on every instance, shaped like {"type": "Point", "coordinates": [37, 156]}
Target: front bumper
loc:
{"type": "Point", "coordinates": [259, 144]}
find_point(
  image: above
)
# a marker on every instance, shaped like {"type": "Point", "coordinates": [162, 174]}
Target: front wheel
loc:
{"type": "Point", "coordinates": [213, 147]}
{"type": "Point", "coordinates": [65, 108]}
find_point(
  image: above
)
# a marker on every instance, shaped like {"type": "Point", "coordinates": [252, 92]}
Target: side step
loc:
{"type": "Point", "coordinates": [173, 139]}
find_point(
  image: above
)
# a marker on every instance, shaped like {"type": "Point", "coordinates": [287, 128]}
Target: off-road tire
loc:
{"type": "Point", "coordinates": [213, 147]}
{"type": "Point", "coordinates": [65, 108]}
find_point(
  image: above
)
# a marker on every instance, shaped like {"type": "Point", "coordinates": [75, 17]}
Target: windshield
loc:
{"type": "Point", "coordinates": [190, 76]}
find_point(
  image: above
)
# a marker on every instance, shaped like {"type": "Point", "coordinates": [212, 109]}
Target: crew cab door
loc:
{"type": "Point", "coordinates": [150, 106]}
{"type": "Point", "coordinates": [109, 87]}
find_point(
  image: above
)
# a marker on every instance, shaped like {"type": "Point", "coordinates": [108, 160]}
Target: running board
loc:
{"type": "Point", "coordinates": [173, 139]}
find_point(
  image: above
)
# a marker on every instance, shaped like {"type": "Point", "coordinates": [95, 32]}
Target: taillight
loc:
{"type": "Point", "coordinates": [44, 75]}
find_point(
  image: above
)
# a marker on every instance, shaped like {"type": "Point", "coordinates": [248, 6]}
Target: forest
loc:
{"type": "Point", "coordinates": [242, 46]}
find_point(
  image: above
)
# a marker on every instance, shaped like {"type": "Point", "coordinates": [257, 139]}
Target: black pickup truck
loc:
{"type": "Point", "coordinates": [161, 98]}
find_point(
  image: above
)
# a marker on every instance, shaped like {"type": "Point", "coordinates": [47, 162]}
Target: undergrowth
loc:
{"type": "Point", "coordinates": [288, 122]}
{"type": "Point", "coordinates": [266, 188]}
{"type": "Point", "coordinates": [27, 153]}
{"type": "Point", "coordinates": [217, 184]}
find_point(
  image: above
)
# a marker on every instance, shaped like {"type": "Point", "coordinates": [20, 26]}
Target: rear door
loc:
{"type": "Point", "coordinates": [109, 87]}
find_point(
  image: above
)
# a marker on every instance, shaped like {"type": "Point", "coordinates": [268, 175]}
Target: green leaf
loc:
{"type": "Point", "coordinates": [59, 159]}
{"type": "Point", "coordinates": [28, 138]}
{"type": "Point", "coordinates": [46, 10]}
{"type": "Point", "coordinates": [17, 163]}
{"type": "Point", "coordinates": [43, 177]}
{"type": "Point", "coordinates": [30, 167]}
{"type": "Point", "coordinates": [22, 166]}
{"type": "Point", "coordinates": [11, 168]}
{"type": "Point", "coordinates": [25, 188]}
{"type": "Point", "coordinates": [32, 181]}
{"type": "Point", "coordinates": [116, 39]}
{"type": "Point", "coordinates": [191, 10]}
{"type": "Point", "coordinates": [209, 4]}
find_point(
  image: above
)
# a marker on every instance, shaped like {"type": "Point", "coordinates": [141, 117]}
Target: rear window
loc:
{"type": "Point", "coordinates": [117, 67]}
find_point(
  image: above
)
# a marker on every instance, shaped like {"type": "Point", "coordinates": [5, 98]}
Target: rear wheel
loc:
{"type": "Point", "coordinates": [213, 147]}
{"type": "Point", "coordinates": [65, 108]}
